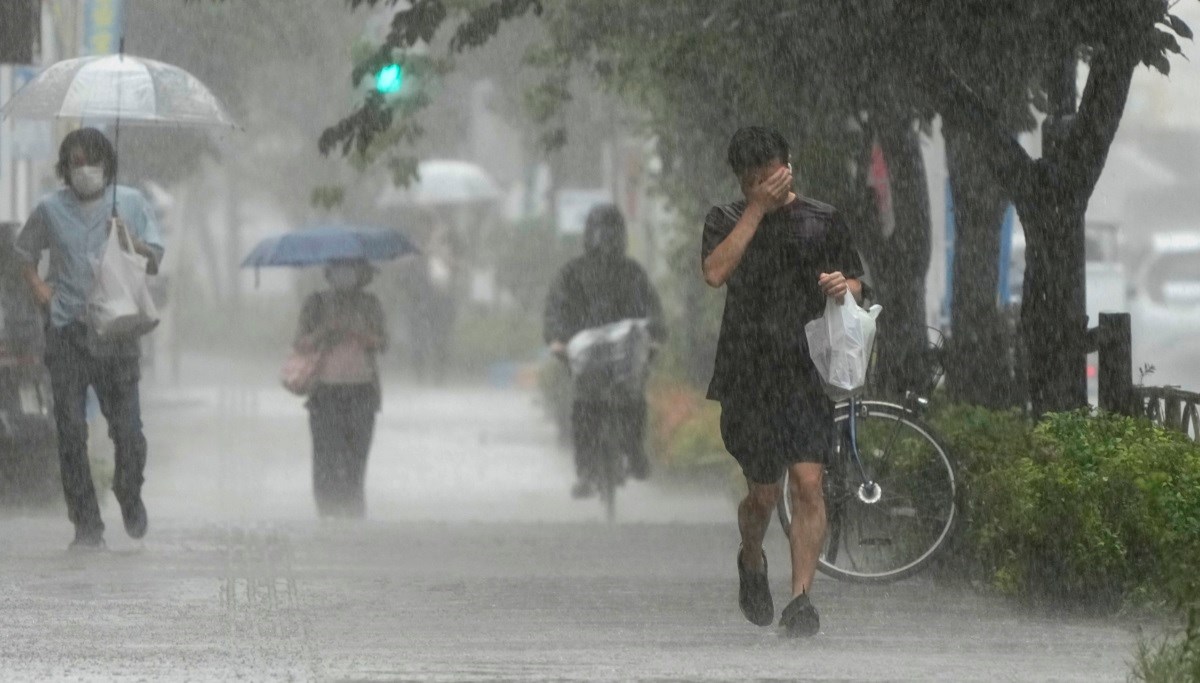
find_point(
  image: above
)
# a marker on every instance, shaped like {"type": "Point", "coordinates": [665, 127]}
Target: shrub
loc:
{"type": "Point", "coordinates": [1170, 660]}
{"type": "Point", "coordinates": [1083, 509]}
{"type": "Point", "coordinates": [685, 435]}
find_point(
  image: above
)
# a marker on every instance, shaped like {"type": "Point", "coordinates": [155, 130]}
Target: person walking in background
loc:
{"type": "Point", "coordinates": [600, 287]}
{"type": "Point", "coordinates": [346, 325]}
{"type": "Point", "coordinates": [779, 256]}
{"type": "Point", "coordinates": [72, 225]}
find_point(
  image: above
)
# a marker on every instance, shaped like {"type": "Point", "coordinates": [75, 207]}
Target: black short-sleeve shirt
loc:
{"type": "Point", "coordinates": [773, 293]}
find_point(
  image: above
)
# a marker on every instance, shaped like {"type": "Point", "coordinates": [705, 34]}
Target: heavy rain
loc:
{"type": "Point", "coordinates": [419, 340]}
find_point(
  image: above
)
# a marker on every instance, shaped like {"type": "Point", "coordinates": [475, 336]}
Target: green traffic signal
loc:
{"type": "Point", "coordinates": [389, 79]}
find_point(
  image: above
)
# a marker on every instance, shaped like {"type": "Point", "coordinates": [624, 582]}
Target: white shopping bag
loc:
{"type": "Point", "coordinates": [611, 362]}
{"type": "Point", "coordinates": [120, 305]}
{"type": "Point", "coordinates": [840, 345]}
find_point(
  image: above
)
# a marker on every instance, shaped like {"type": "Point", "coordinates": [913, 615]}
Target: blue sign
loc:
{"type": "Point", "coordinates": [103, 26]}
{"type": "Point", "coordinates": [1004, 293]}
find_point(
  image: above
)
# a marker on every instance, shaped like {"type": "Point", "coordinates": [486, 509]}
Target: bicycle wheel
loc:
{"type": "Point", "coordinates": [891, 535]}
{"type": "Point", "coordinates": [608, 471]}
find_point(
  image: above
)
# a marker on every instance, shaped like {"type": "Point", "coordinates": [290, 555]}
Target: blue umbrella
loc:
{"type": "Point", "coordinates": [320, 245]}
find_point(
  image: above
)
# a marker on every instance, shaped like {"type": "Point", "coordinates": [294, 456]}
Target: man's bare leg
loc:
{"type": "Point", "coordinates": [807, 533]}
{"type": "Point", "coordinates": [754, 515]}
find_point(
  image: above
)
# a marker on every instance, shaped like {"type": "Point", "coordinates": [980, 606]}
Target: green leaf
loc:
{"type": "Point", "coordinates": [1161, 63]}
{"type": "Point", "coordinates": [1180, 26]}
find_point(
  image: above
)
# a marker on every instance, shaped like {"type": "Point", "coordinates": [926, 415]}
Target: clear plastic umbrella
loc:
{"type": "Point", "coordinates": [443, 182]}
{"type": "Point", "coordinates": [122, 88]}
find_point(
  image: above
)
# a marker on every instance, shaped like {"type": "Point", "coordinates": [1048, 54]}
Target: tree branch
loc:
{"type": "Point", "coordinates": [961, 106]}
{"type": "Point", "coordinates": [1101, 107]}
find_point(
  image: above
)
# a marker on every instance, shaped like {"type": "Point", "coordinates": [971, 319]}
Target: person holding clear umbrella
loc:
{"type": "Point", "coordinates": [72, 224]}
{"type": "Point", "coordinates": [345, 324]}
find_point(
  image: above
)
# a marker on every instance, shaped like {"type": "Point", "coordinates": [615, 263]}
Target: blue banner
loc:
{"type": "Point", "coordinates": [103, 25]}
{"type": "Point", "coordinates": [1004, 284]}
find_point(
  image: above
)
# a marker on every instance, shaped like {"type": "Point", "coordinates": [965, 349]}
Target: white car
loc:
{"type": "Point", "coordinates": [1165, 311]}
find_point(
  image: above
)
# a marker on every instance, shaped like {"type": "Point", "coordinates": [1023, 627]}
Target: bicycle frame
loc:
{"type": "Point", "coordinates": [868, 490]}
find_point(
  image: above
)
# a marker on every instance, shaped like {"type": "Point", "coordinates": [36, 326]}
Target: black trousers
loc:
{"type": "Point", "coordinates": [73, 368]}
{"type": "Point", "coordinates": [342, 420]}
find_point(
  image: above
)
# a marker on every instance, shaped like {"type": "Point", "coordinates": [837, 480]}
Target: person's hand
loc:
{"type": "Point", "coordinates": [833, 285]}
{"type": "Point", "coordinates": [42, 294]}
{"type": "Point", "coordinates": [773, 191]}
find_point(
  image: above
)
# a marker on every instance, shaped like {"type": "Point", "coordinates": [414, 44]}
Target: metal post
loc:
{"type": "Point", "coordinates": [1116, 363]}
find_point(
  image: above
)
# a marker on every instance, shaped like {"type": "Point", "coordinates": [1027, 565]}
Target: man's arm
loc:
{"type": "Point", "coordinates": [152, 253]}
{"type": "Point", "coordinates": [764, 198]}
{"type": "Point", "coordinates": [145, 235]}
{"type": "Point", "coordinates": [34, 238]}
{"type": "Point", "coordinates": [42, 293]}
{"type": "Point", "coordinates": [725, 259]}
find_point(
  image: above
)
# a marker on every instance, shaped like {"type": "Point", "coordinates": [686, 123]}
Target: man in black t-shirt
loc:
{"type": "Point", "coordinates": [780, 257]}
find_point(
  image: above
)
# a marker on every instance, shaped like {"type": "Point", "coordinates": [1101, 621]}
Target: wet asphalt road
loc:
{"type": "Point", "coordinates": [474, 566]}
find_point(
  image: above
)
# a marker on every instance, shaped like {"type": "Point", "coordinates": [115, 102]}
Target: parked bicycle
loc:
{"type": "Point", "coordinates": [890, 493]}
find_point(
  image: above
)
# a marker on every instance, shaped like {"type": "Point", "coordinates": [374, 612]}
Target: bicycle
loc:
{"type": "Point", "coordinates": [609, 365]}
{"type": "Point", "coordinates": [890, 493]}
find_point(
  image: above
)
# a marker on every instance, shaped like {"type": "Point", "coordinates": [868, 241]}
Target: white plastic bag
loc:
{"type": "Point", "coordinates": [120, 305]}
{"type": "Point", "coordinates": [611, 362]}
{"type": "Point", "coordinates": [840, 345]}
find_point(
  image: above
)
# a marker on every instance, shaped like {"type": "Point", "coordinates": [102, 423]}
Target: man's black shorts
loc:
{"type": "Point", "coordinates": [771, 430]}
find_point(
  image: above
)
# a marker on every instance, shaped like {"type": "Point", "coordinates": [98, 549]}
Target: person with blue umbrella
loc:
{"type": "Point", "coordinates": [345, 325]}
{"type": "Point", "coordinates": [343, 330]}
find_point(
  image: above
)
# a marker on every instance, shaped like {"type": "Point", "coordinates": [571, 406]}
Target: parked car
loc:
{"type": "Point", "coordinates": [28, 452]}
{"type": "Point", "coordinates": [1165, 310]}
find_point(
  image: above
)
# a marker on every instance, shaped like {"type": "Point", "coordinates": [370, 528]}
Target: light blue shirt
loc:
{"type": "Point", "coordinates": [74, 232]}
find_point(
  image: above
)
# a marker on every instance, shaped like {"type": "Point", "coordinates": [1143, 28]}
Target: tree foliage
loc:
{"type": "Point", "coordinates": [831, 74]}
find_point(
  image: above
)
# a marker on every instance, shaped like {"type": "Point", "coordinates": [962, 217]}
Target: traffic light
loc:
{"type": "Point", "coordinates": [390, 79]}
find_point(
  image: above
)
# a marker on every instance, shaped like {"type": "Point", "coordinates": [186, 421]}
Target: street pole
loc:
{"type": "Point", "coordinates": [7, 208]}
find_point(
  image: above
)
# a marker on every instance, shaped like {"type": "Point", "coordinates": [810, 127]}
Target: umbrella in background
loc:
{"type": "Point", "coordinates": [443, 183]}
{"type": "Point", "coordinates": [320, 245]}
{"type": "Point", "coordinates": [122, 88]}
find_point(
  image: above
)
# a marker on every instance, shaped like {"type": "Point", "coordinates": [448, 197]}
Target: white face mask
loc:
{"type": "Point", "coordinates": [343, 278]}
{"type": "Point", "coordinates": [87, 180]}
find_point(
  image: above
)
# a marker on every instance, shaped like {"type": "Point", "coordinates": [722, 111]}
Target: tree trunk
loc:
{"type": "Point", "coordinates": [1054, 305]}
{"type": "Point", "coordinates": [899, 263]}
{"type": "Point", "coordinates": [1053, 310]}
{"type": "Point", "coordinates": [1051, 196]}
{"type": "Point", "coordinates": [977, 369]}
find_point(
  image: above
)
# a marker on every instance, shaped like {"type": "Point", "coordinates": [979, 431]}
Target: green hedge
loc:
{"type": "Point", "coordinates": [1081, 509]}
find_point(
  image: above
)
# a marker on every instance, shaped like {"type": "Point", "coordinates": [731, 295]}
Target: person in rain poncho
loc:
{"type": "Point", "coordinates": [600, 287]}
{"type": "Point", "coordinates": [72, 225]}
{"type": "Point", "coordinates": [346, 324]}
{"type": "Point", "coordinates": [779, 256]}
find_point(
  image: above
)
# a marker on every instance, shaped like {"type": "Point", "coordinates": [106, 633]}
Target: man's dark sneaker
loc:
{"type": "Point", "coordinates": [134, 513]}
{"type": "Point", "coordinates": [799, 618]}
{"type": "Point", "coordinates": [87, 541]}
{"type": "Point", "coordinates": [754, 593]}
{"type": "Point", "coordinates": [582, 489]}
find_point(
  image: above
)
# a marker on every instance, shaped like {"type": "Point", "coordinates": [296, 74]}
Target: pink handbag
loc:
{"type": "Point", "coordinates": [299, 371]}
